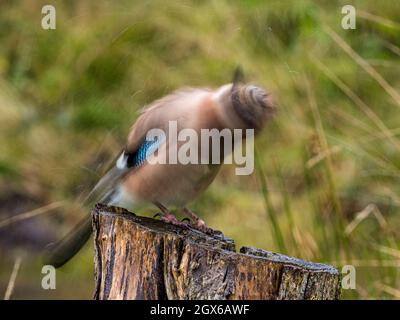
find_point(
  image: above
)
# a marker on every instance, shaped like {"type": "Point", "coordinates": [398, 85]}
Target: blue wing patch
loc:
{"type": "Point", "coordinates": [138, 158]}
{"type": "Point", "coordinates": [147, 148]}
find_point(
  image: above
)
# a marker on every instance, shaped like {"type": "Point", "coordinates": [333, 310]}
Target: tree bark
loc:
{"type": "Point", "coordinates": [142, 258]}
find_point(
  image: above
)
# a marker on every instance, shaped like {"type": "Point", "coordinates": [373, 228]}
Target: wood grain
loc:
{"type": "Point", "coordinates": [142, 258]}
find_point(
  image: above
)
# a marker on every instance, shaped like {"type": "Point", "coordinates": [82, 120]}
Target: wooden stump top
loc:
{"type": "Point", "coordinates": [143, 258]}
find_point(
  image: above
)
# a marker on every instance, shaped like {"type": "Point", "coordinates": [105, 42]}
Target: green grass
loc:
{"type": "Point", "coordinates": [68, 97]}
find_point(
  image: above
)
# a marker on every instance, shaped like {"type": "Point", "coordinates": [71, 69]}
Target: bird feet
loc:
{"type": "Point", "coordinates": [170, 218]}
{"type": "Point", "coordinates": [167, 217]}
{"type": "Point", "coordinates": [194, 221]}
{"type": "Point", "coordinates": [197, 223]}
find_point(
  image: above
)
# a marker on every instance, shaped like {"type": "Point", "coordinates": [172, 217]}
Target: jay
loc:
{"type": "Point", "coordinates": [134, 180]}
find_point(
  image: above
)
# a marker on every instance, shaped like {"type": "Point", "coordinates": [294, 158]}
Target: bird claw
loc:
{"type": "Point", "coordinates": [194, 222]}
{"type": "Point", "coordinates": [170, 218]}
{"type": "Point", "coordinates": [167, 217]}
{"type": "Point", "coordinates": [201, 226]}
{"type": "Point", "coordinates": [198, 224]}
{"type": "Point", "coordinates": [157, 215]}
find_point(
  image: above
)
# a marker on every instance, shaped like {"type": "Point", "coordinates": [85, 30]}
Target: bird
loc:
{"type": "Point", "coordinates": [133, 180]}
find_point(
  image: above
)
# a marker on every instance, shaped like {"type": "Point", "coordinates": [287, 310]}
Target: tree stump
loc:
{"type": "Point", "coordinates": [143, 258]}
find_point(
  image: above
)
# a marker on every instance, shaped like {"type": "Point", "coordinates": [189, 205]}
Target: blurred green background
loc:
{"type": "Point", "coordinates": [326, 187]}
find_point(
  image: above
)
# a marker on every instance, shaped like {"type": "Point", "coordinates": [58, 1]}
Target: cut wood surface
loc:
{"type": "Point", "coordinates": [143, 258]}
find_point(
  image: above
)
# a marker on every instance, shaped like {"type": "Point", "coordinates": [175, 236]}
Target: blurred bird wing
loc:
{"type": "Point", "coordinates": [127, 161]}
{"type": "Point", "coordinates": [158, 114]}
{"type": "Point", "coordinates": [105, 185]}
{"type": "Point", "coordinates": [154, 116]}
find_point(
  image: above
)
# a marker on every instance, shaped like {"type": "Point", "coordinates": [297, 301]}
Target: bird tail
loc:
{"type": "Point", "coordinates": [59, 253]}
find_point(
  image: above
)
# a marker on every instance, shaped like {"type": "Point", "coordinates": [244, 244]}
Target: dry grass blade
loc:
{"type": "Point", "coordinates": [395, 49]}
{"type": "Point", "coordinates": [392, 291]}
{"type": "Point", "coordinates": [322, 155]}
{"type": "Point", "coordinates": [31, 214]}
{"type": "Point", "coordinates": [269, 207]}
{"type": "Point", "coordinates": [341, 242]}
{"type": "Point", "coordinates": [364, 64]}
{"type": "Point", "coordinates": [390, 251]}
{"type": "Point", "coordinates": [362, 215]}
{"type": "Point", "coordinates": [324, 144]}
{"type": "Point", "coordinates": [383, 63]}
{"type": "Point", "coordinates": [11, 282]}
{"type": "Point", "coordinates": [378, 136]}
{"type": "Point", "coordinates": [394, 198]}
{"type": "Point", "coordinates": [384, 165]}
{"type": "Point", "coordinates": [367, 263]}
{"type": "Point", "coordinates": [378, 19]}
{"type": "Point", "coordinates": [370, 135]}
{"type": "Point", "coordinates": [357, 100]}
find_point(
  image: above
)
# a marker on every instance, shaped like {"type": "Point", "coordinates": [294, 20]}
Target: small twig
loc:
{"type": "Point", "coordinates": [30, 214]}
{"type": "Point", "coordinates": [11, 282]}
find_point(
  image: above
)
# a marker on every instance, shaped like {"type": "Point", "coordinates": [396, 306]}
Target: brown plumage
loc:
{"type": "Point", "coordinates": [232, 106]}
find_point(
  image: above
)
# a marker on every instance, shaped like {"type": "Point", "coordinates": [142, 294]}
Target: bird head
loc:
{"type": "Point", "coordinates": [252, 104]}
{"type": "Point", "coordinates": [245, 106]}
